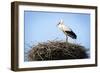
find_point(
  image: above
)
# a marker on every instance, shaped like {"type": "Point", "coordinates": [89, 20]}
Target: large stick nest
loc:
{"type": "Point", "coordinates": [56, 50]}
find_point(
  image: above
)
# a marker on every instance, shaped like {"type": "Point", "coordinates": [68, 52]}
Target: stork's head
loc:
{"type": "Point", "coordinates": [61, 22]}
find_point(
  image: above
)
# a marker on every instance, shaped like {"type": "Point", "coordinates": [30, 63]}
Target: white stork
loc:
{"type": "Point", "coordinates": [67, 31]}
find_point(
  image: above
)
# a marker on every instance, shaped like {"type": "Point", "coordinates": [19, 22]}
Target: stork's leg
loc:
{"type": "Point", "coordinates": [66, 38]}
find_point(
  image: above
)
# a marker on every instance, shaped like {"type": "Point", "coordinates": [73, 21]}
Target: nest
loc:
{"type": "Point", "coordinates": [56, 50]}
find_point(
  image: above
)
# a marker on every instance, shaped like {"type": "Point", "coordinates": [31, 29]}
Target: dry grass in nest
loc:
{"type": "Point", "coordinates": [56, 50]}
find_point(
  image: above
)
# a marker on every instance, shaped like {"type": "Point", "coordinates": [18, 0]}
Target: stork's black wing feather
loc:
{"type": "Point", "coordinates": [71, 34]}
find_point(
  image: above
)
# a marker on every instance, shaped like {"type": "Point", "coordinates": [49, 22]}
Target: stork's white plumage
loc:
{"type": "Point", "coordinates": [67, 31]}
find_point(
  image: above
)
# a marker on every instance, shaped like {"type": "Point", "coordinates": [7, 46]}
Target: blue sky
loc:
{"type": "Point", "coordinates": [41, 26]}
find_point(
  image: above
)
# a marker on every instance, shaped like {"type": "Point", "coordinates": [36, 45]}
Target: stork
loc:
{"type": "Point", "coordinates": [66, 30]}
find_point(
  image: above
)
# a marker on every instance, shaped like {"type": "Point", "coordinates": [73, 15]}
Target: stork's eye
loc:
{"type": "Point", "coordinates": [58, 23]}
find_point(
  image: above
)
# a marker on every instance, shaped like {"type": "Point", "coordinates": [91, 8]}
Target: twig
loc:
{"type": "Point", "coordinates": [40, 55]}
